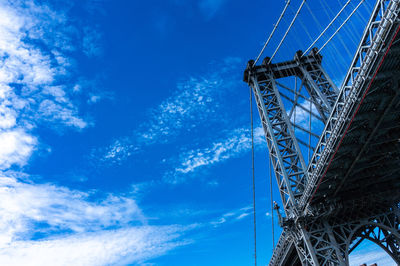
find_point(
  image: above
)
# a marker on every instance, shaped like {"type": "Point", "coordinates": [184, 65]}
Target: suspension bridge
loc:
{"type": "Point", "coordinates": [343, 187]}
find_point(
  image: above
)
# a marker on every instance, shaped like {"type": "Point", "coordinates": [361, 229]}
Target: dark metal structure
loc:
{"type": "Point", "coordinates": [349, 189]}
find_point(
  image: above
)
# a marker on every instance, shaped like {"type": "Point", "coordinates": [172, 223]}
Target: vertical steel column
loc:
{"type": "Point", "coordinates": [288, 163]}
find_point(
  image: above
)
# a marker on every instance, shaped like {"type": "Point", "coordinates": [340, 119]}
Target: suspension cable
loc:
{"type": "Point", "coordinates": [273, 31]}
{"type": "Point", "coordinates": [344, 22]}
{"type": "Point", "coordinates": [253, 175]}
{"type": "Point", "coordinates": [287, 31]}
{"type": "Point", "coordinates": [327, 27]}
{"type": "Point", "coordinates": [272, 204]}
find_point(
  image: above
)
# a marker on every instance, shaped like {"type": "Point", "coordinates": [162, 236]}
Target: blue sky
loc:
{"type": "Point", "coordinates": [125, 131]}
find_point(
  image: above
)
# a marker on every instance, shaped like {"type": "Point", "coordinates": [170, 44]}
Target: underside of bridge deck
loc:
{"type": "Point", "coordinates": [365, 169]}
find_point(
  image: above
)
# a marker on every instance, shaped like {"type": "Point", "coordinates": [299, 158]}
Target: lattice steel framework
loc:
{"type": "Point", "coordinates": [325, 233]}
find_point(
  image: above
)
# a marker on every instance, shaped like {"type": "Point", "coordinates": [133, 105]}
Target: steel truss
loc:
{"type": "Point", "coordinates": [333, 239]}
{"type": "Point", "coordinates": [287, 160]}
{"type": "Point", "coordinates": [376, 35]}
{"type": "Point", "coordinates": [319, 236]}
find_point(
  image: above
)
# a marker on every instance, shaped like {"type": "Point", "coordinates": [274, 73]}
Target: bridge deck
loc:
{"type": "Point", "coordinates": [367, 159]}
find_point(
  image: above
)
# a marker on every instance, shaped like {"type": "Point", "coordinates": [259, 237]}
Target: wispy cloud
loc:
{"type": "Point", "coordinates": [111, 247]}
{"type": "Point", "coordinates": [192, 101]}
{"type": "Point", "coordinates": [209, 8]}
{"type": "Point", "coordinates": [91, 42]}
{"type": "Point", "coordinates": [29, 207]}
{"type": "Point", "coordinates": [233, 145]}
{"type": "Point", "coordinates": [49, 224]}
{"type": "Point", "coordinates": [195, 101]}
{"type": "Point", "coordinates": [301, 115]}
{"type": "Point", "coordinates": [233, 216]}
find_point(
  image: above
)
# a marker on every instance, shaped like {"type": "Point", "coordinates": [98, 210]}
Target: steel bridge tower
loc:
{"type": "Point", "coordinates": [348, 189]}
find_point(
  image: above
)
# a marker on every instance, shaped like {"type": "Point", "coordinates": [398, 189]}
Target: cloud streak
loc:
{"type": "Point", "coordinates": [121, 247]}
{"type": "Point", "coordinates": [24, 205]}
{"type": "Point", "coordinates": [46, 224]}
{"type": "Point", "coordinates": [231, 146]}
{"type": "Point", "coordinates": [195, 101]}
{"type": "Point", "coordinates": [232, 216]}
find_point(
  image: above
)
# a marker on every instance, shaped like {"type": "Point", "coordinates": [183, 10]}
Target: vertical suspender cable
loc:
{"type": "Point", "coordinates": [287, 31]}
{"type": "Point", "coordinates": [309, 135]}
{"type": "Point", "coordinates": [253, 175]}
{"type": "Point", "coordinates": [273, 31]}
{"type": "Point", "coordinates": [272, 204]}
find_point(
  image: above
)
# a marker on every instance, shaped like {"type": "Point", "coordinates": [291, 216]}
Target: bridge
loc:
{"type": "Point", "coordinates": [348, 189]}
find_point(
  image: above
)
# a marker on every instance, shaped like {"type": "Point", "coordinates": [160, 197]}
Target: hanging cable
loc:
{"type": "Point", "coordinates": [332, 60]}
{"type": "Point", "coordinates": [344, 22]}
{"type": "Point", "coordinates": [309, 135]}
{"type": "Point", "coordinates": [273, 31]}
{"type": "Point", "coordinates": [327, 27]}
{"type": "Point", "coordinates": [287, 31]}
{"type": "Point", "coordinates": [342, 42]}
{"type": "Point", "coordinates": [254, 180]}
{"type": "Point", "coordinates": [272, 204]}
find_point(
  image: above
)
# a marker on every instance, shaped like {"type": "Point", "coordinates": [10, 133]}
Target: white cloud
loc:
{"type": "Point", "coordinates": [111, 247]}
{"type": "Point", "coordinates": [25, 204]}
{"type": "Point", "coordinates": [242, 216]}
{"type": "Point", "coordinates": [218, 222]}
{"type": "Point", "coordinates": [301, 116]}
{"type": "Point", "coordinates": [117, 152]}
{"type": "Point", "coordinates": [231, 146]}
{"type": "Point", "coordinates": [94, 98]}
{"type": "Point", "coordinates": [233, 216]}
{"type": "Point", "coordinates": [53, 112]}
{"type": "Point", "coordinates": [91, 42]}
{"type": "Point", "coordinates": [195, 101]}
{"type": "Point", "coordinates": [33, 90]}
{"type": "Point", "coordinates": [74, 229]}
{"type": "Point", "coordinates": [16, 147]}
{"type": "Point", "coordinates": [37, 82]}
